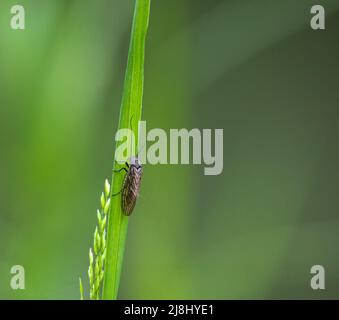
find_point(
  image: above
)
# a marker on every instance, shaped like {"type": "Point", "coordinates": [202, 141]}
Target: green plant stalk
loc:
{"type": "Point", "coordinates": [131, 107]}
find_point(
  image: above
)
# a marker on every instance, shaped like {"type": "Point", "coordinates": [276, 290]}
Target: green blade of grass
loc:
{"type": "Point", "coordinates": [131, 107]}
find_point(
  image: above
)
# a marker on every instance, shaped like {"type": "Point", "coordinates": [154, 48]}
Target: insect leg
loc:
{"type": "Point", "coordinates": [118, 170]}
{"type": "Point", "coordinates": [123, 168]}
{"type": "Point", "coordinates": [115, 194]}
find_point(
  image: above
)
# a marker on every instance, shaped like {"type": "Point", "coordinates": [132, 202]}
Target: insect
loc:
{"type": "Point", "coordinates": [131, 185]}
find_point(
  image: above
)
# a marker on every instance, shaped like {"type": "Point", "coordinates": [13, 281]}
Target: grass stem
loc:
{"type": "Point", "coordinates": [131, 107]}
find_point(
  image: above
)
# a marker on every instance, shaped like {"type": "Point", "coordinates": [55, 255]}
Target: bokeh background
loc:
{"type": "Point", "coordinates": [254, 68]}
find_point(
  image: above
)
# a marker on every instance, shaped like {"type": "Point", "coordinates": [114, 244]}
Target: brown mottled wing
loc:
{"type": "Point", "coordinates": [130, 190]}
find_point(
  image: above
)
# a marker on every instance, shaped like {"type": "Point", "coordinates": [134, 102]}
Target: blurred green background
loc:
{"type": "Point", "coordinates": [254, 68]}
